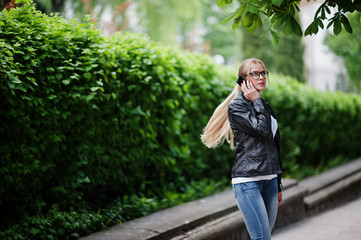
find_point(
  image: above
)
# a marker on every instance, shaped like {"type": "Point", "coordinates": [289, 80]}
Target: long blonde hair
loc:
{"type": "Point", "coordinates": [218, 127]}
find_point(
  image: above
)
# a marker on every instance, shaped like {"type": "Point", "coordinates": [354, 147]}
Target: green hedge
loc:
{"type": "Point", "coordinates": [91, 119]}
{"type": "Point", "coordinates": [88, 120]}
{"type": "Point", "coordinates": [318, 129]}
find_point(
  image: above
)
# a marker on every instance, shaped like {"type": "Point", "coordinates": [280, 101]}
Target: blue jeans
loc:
{"type": "Point", "coordinates": [258, 202]}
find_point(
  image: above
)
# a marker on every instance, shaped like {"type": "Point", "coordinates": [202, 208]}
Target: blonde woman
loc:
{"type": "Point", "coordinates": [246, 119]}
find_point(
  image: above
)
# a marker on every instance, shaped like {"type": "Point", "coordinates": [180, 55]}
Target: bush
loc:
{"type": "Point", "coordinates": [56, 224]}
{"type": "Point", "coordinates": [46, 92]}
{"type": "Point", "coordinates": [316, 127]}
{"type": "Point", "coordinates": [86, 120]}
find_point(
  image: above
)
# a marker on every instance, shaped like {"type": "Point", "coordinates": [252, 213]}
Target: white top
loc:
{"type": "Point", "coordinates": [253, 179]}
{"type": "Point", "coordinates": [274, 126]}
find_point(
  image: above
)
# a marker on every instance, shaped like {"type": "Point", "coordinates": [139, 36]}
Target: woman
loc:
{"type": "Point", "coordinates": [256, 173]}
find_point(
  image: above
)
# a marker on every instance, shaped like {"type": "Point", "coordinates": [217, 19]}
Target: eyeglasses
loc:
{"type": "Point", "coordinates": [257, 75]}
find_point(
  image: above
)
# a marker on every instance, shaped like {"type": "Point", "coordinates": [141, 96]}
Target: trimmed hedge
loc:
{"type": "Point", "coordinates": [87, 120]}
{"type": "Point", "coordinates": [90, 119]}
{"type": "Point", "coordinates": [317, 128]}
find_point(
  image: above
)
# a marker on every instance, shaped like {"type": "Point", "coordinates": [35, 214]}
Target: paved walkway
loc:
{"type": "Point", "coordinates": [341, 223]}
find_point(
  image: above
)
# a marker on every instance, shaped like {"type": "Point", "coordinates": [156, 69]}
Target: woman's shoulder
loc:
{"type": "Point", "coordinates": [239, 100]}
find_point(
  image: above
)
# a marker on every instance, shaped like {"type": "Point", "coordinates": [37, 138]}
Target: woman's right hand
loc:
{"type": "Point", "coordinates": [249, 91]}
{"type": "Point", "coordinates": [279, 198]}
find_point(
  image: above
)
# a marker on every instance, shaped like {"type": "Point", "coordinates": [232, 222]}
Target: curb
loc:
{"type": "Point", "coordinates": [217, 216]}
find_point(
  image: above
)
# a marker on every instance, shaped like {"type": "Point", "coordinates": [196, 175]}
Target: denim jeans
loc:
{"type": "Point", "coordinates": [258, 202]}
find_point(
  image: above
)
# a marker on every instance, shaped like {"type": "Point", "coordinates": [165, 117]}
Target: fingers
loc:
{"type": "Point", "coordinates": [250, 85]}
{"type": "Point", "coordinates": [279, 198]}
{"type": "Point", "coordinates": [244, 87]}
{"type": "Point", "coordinates": [247, 86]}
{"type": "Point", "coordinates": [249, 91]}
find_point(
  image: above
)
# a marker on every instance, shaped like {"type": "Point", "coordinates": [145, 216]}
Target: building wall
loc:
{"type": "Point", "coordinates": [323, 68]}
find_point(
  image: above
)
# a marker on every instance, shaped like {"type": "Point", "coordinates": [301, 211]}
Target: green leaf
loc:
{"type": "Point", "coordinates": [94, 89]}
{"type": "Point", "coordinates": [248, 21]}
{"type": "Point", "coordinates": [138, 111]}
{"type": "Point", "coordinates": [253, 27]}
{"type": "Point", "coordinates": [241, 11]}
{"type": "Point", "coordinates": [314, 27]}
{"type": "Point", "coordinates": [323, 14]}
{"type": "Point", "coordinates": [296, 27]}
{"type": "Point", "coordinates": [275, 37]}
{"type": "Point", "coordinates": [292, 11]}
{"type": "Point", "coordinates": [230, 16]}
{"type": "Point", "coordinates": [10, 85]}
{"type": "Point", "coordinates": [15, 80]}
{"type": "Point", "coordinates": [90, 96]}
{"type": "Point", "coordinates": [274, 18]}
{"type": "Point", "coordinates": [327, 9]}
{"type": "Point", "coordinates": [88, 75]}
{"type": "Point", "coordinates": [52, 96]}
{"type": "Point", "coordinates": [88, 68]}
{"type": "Point", "coordinates": [279, 21]}
{"type": "Point", "coordinates": [346, 24]}
{"type": "Point", "coordinates": [295, 6]}
{"type": "Point", "coordinates": [58, 76]}
{"type": "Point", "coordinates": [259, 22]}
{"type": "Point", "coordinates": [337, 27]}
{"type": "Point", "coordinates": [65, 82]}
{"type": "Point", "coordinates": [278, 3]}
{"type": "Point", "coordinates": [236, 23]}
{"type": "Point", "coordinates": [319, 22]}
{"type": "Point", "coordinates": [253, 9]}
{"type": "Point", "coordinates": [288, 26]}
{"type": "Point", "coordinates": [50, 69]}
{"type": "Point", "coordinates": [28, 2]}
{"type": "Point", "coordinates": [221, 3]}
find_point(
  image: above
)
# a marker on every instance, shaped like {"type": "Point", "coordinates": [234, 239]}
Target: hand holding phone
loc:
{"type": "Point", "coordinates": [241, 79]}
{"type": "Point", "coordinates": [248, 91]}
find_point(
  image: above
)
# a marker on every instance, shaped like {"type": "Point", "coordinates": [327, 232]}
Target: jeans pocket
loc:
{"type": "Point", "coordinates": [248, 186]}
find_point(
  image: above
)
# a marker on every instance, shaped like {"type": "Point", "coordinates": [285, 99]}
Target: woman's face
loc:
{"type": "Point", "coordinates": [260, 83]}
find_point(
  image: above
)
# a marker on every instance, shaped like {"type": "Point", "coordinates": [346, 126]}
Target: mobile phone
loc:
{"type": "Point", "coordinates": [241, 79]}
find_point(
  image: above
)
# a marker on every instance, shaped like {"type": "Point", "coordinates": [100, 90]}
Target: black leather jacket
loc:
{"type": "Point", "coordinates": [257, 151]}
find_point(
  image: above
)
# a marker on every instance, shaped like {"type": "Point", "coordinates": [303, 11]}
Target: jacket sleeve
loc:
{"type": "Point", "coordinates": [256, 123]}
{"type": "Point", "coordinates": [277, 141]}
{"type": "Point", "coordinates": [279, 182]}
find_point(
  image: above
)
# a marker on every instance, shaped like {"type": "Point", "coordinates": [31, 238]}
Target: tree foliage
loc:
{"type": "Point", "coordinates": [220, 38]}
{"type": "Point", "coordinates": [285, 58]}
{"type": "Point", "coordinates": [288, 57]}
{"type": "Point", "coordinates": [348, 46]}
{"type": "Point", "coordinates": [163, 20]}
{"type": "Point", "coordinates": [282, 13]}
{"type": "Point", "coordinates": [323, 114]}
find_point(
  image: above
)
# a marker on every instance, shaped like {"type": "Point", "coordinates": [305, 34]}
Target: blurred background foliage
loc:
{"type": "Point", "coordinates": [348, 47]}
{"type": "Point", "coordinates": [197, 26]}
{"type": "Point", "coordinates": [193, 25]}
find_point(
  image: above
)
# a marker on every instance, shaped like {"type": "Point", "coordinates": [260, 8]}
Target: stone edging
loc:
{"type": "Point", "coordinates": [217, 216]}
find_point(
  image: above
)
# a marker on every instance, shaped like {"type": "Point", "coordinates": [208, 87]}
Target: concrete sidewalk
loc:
{"type": "Point", "coordinates": [217, 217]}
{"type": "Point", "coordinates": [341, 223]}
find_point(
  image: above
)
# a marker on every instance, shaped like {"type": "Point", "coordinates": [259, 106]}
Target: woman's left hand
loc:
{"type": "Point", "coordinates": [279, 198]}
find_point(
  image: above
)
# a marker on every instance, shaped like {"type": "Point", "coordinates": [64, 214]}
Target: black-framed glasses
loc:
{"type": "Point", "coordinates": [257, 75]}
